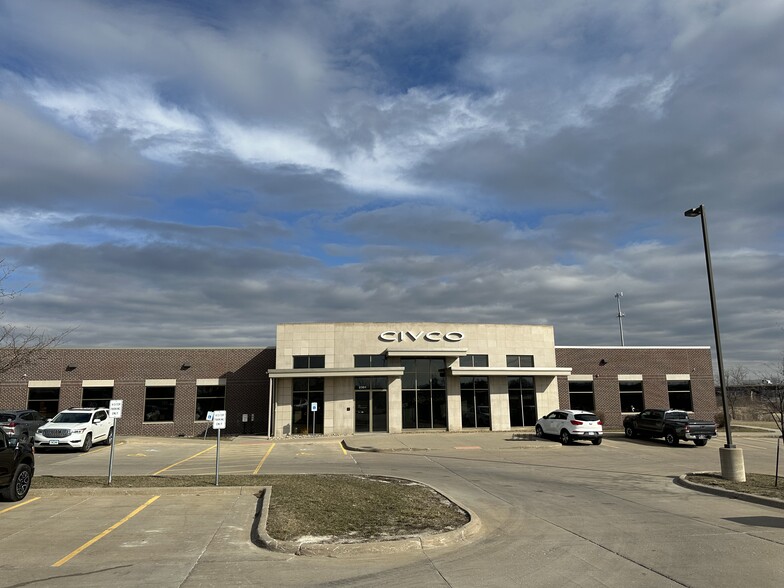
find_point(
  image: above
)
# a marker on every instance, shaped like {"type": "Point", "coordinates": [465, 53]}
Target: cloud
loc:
{"type": "Point", "coordinates": [200, 173]}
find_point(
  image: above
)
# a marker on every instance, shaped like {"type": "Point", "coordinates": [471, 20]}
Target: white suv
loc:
{"type": "Point", "coordinates": [569, 425]}
{"type": "Point", "coordinates": [79, 428]}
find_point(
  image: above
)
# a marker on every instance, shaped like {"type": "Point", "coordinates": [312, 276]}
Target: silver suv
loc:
{"type": "Point", "coordinates": [79, 428]}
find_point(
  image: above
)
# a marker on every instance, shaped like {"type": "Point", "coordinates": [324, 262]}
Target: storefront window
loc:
{"type": "Point", "coordinates": [424, 393]}
{"type": "Point", "coordinates": [522, 401]}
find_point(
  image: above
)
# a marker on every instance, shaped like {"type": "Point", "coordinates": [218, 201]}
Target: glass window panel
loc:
{"type": "Point", "coordinates": [424, 417]}
{"type": "Point", "coordinates": [379, 411]}
{"type": "Point", "coordinates": [361, 361]}
{"type": "Point", "coordinates": [467, 408]}
{"type": "Point", "coordinates": [159, 403]}
{"type": "Point", "coordinates": [515, 409]}
{"type": "Point", "coordinates": [301, 362]}
{"type": "Point", "coordinates": [482, 408]}
{"type": "Point", "coordinates": [45, 400]}
{"type": "Point", "coordinates": [439, 409]}
{"type": "Point", "coordinates": [409, 409]}
{"type": "Point", "coordinates": [97, 397]}
{"type": "Point", "coordinates": [581, 386]}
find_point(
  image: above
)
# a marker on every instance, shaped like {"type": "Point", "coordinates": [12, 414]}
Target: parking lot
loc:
{"type": "Point", "coordinates": [634, 526]}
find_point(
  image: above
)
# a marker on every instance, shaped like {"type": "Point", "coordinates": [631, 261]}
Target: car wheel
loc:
{"type": "Point", "coordinates": [671, 439]}
{"type": "Point", "coordinates": [20, 483]}
{"type": "Point", "coordinates": [566, 438]}
{"type": "Point", "coordinates": [88, 443]}
{"type": "Point", "coordinates": [109, 437]}
{"type": "Point", "coordinates": [597, 441]}
{"type": "Point", "coordinates": [630, 432]}
{"type": "Point", "coordinates": [700, 442]}
{"type": "Point", "coordinates": [539, 432]}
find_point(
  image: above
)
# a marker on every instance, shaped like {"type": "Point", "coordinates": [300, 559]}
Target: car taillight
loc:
{"type": "Point", "coordinates": [687, 428]}
{"type": "Point", "coordinates": [598, 422]}
{"type": "Point", "coordinates": [575, 423]}
{"type": "Point", "coordinates": [9, 424]}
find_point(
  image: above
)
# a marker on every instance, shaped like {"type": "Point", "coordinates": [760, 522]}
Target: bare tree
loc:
{"type": "Point", "coordinates": [20, 347]}
{"type": "Point", "coordinates": [772, 394]}
{"type": "Point", "coordinates": [737, 386]}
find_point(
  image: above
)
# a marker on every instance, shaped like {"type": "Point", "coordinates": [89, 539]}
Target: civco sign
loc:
{"type": "Point", "coordinates": [432, 336]}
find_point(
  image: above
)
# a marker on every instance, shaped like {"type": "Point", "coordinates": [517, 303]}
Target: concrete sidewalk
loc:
{"type": "Point", "coordinates": [439, 441]}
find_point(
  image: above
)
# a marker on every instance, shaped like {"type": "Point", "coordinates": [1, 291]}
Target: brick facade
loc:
{"type": "Point", "coordinates": [248, 384]}
{"type": "Point", "coordinates": [605, 364]}
{"type": "Point", "coordinates": [245, 371]}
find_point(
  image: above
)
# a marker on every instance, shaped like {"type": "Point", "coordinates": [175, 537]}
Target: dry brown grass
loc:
{"type": "Point", "coordinates": [332, 507]}
{"type": "Point", "coordinates": [757, 484]}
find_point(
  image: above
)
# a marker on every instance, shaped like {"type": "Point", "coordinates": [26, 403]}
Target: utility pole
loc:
{"type": "Point", "coordinates": [618, 296]}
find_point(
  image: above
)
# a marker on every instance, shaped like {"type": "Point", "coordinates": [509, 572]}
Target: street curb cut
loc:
{"type": "Point", "coordinates": [260, 537]}
{"type": "Point", "coordinates": [763, 500]}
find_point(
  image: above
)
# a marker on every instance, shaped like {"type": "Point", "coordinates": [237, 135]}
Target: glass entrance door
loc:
{"type": "Point", "coordinates": [305, 421]}
{"type": "Point", "coordinates": [371, 411]}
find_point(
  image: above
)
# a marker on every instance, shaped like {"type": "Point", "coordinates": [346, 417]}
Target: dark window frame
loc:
{"type": "Point", "coordinates": [308, 362]}
{"type": "Point", "coordinates": [160, 404]}
{"type": "Point", "coordinates": [209, 398]}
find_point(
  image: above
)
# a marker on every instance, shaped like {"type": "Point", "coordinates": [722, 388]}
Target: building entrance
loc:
{"type": "Point", "coordinates": [522, 402]}
{"type": "Point", "coordinates": [305, 421]}
{"type": "Point", "coordinates": [371, 411]}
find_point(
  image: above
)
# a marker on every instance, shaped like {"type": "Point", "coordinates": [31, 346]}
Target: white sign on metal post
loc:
{"type": "Point", "coordinates": [210, 415]}
{"type": "Point", "coordinates": [115, 409]}
{"type": "Point", "coordinates": [115, 412]}
{"type": "Point", "coordinates": [313, 406]}
{"type": "Point", "coordinates": [219, 419]}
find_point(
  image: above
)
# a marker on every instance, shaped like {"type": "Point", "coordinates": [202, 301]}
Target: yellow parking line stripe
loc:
{"type": "Point", "coordinates": [261, 463]}
{"type": "Point", "coordinates": [342, 448]}
{"type": "Point", "coordinates": [183, 461]}
{"type": "Point", "coordinates": [103, 534]}
{"type": "Point", "coordinates": [20, 504]}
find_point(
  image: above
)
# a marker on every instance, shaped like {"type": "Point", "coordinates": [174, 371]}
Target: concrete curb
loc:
{"type": "Point", "coordinates": [716, 491]}
{"type": "Point", "coordinates": [260, 537]}
{"type": "Point", "coordinates": [532, 443]}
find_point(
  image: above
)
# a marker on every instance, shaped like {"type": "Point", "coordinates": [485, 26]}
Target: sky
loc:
{"type": "Point", "coordinates": [194, 173]}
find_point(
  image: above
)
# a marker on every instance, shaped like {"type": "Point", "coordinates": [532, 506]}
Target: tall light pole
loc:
{"type": "Point", "coordinates": [731, 457]}
{"type": "Point", "coordinates": [618, 296]}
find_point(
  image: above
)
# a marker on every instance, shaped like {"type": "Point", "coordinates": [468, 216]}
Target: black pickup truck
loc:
{"type": "Point", "coordinates": [673, 425]}
{"type": "Point", "coordinates": [17, 464]}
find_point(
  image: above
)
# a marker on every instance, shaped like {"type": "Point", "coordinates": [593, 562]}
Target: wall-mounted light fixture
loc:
{"type": "Point", "coordinates": [70, 367]}
{"type": "Point", "coordinates": [185, 365]}
{"type": "Point", "coordinates": [602, 362]}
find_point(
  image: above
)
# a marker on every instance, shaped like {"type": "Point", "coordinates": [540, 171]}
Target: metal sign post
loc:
{"type": "Point", "coordinates": [210, 414]}
{"type": "Point", "coordinates": [218, 423]}
{"type": "Point", "coordinates": [115, 412]}
{"type": "Point", "coordinates": [313, 409]}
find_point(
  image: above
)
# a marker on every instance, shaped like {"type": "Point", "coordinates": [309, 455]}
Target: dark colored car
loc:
{"type": "Point", "coordinates": [17, 465]}
{"type": "Point", "coordinates": [20, 423]}
{"type": "Point", "coordinates": [673, 425]}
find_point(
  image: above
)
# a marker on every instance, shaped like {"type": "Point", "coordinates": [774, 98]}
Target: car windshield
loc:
{"type": "Point", "coordinates": [6, 417]}
{"type": "Point", "coordinates": [586, 416]}
{"type": "Point", "coordinates": [72, 417]}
